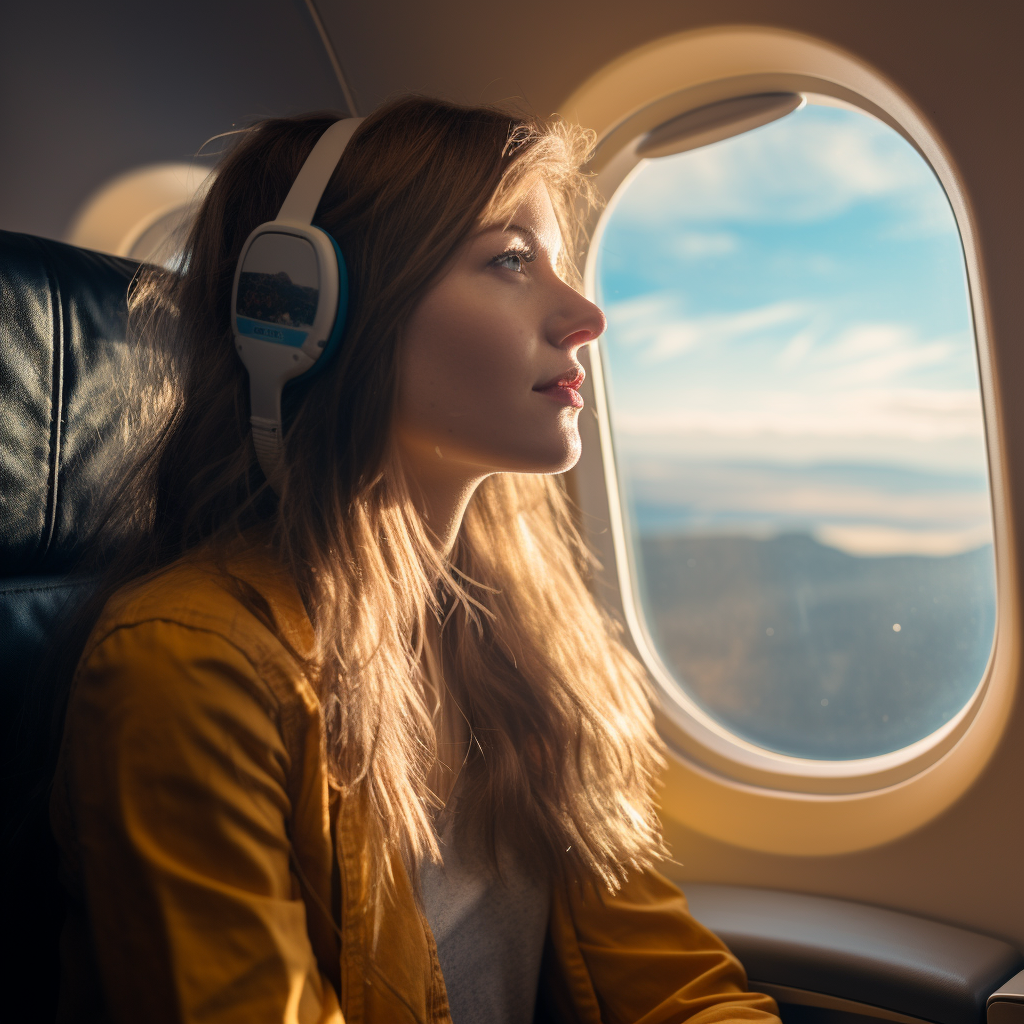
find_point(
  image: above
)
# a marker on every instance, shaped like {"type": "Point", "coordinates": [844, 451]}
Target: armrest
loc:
{"type": "Point", "coordinates": [851, 953]}
{"type": "Point", "coordinates": [1006, 1006]}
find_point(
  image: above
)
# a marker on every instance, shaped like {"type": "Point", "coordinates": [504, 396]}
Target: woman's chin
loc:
{"type": "Point", "coordinates": [556, 452]}
{"type": "Point", "coordinates": [572, 456]}
{"type": "Point", "coordinates": [561, 457]}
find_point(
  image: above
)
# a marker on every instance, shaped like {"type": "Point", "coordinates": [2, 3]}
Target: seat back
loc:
{"type": "Point", "coordinates": [62, 348]}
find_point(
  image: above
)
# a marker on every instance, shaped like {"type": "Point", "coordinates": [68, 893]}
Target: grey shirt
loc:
{"type": "Point", "coordinates": [489, 932]}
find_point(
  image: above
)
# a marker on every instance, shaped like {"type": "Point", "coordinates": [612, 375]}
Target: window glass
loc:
{"type": "Point", "coordinates": [798, 433]}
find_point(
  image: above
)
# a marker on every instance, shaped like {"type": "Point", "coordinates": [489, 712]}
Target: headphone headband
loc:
{"type": "Point", "coordinates": [305, 194]}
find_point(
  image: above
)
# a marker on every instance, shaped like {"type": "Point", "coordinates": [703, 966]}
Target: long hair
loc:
{"type": "Point", "coordinates": [564, 753]}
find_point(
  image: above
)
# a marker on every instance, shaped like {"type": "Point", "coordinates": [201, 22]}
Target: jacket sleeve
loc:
{"type": "Point", "coordinates": [176, 774]}
{"type": "Point", "coordinates": [638, 957]}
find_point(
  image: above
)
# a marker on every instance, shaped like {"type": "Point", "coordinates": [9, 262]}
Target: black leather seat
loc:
{"type": "Point", "coordinates": [62, 347]}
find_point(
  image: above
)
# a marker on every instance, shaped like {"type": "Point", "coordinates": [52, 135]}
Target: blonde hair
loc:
{"type": "Point", "coordinates": [564, 752]}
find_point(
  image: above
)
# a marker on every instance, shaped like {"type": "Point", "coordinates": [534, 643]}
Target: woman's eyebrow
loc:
{"type": "Point", "coordinates": [511, 229]}
{"type": "Point", "coordinates": [534, 240]}
{"type": "Point", "coordinates": [528, 233]}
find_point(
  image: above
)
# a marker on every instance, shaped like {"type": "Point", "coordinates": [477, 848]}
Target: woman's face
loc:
{"type": "Point", "coordinates": [489, 355]}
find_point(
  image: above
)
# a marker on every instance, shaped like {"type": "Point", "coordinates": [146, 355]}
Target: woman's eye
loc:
{"type": "Point", "coordinates": [514, 260]}
{"type": "Point", "coordinates": [511, 260]}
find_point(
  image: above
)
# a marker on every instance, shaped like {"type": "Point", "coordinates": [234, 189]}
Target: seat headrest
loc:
{"type": "Point", "coordinates": [62, 343]}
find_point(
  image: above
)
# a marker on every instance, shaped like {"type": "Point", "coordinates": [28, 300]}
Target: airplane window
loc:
{"type": "Point", "coordinates": [795, 406]}
{"type": "Point", "coordinates": [143, 214]}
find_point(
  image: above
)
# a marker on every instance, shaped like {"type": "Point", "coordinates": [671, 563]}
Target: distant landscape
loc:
{"type": "Point", "coordinates": [791, 643]}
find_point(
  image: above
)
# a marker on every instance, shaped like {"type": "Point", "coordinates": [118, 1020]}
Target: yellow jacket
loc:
{"type": "Point", "coordinates": [214, 876]}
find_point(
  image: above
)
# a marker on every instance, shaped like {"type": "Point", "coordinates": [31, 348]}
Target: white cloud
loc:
{"type": "Point", "coordinates": [797, 348]}
{"type": "Point", "coordinates": [860, 355]}
{"type": "Point", "coordinates": [631, 317]}
{"type": "Point", "coordinates": [869, 339]}
{"type": "Point", "coordinates": [911, 414]}
{"type": "Point", "coordinates": [656, 324]}
{"type": "Point", "coordinates": [861, 509]}
{"type": "Point", "coordinates": [876, 353]}
{"type": "Point", "coordinates": [879, 539]}
{"type": "Point", "coordinates": [774, 382]}
{"type": "Point", "coordinates": [696, 245]}
{"type": "Point", "coordinates": [940, 431]}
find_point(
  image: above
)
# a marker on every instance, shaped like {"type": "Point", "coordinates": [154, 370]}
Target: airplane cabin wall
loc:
{"type": "Point", "coordinates": [88, 91]}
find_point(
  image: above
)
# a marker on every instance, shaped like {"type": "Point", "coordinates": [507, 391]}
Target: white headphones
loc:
{"type": "Point", "coordinates": [289, 300]}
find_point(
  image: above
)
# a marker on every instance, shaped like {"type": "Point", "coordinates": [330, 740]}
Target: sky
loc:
{"type": "Point", "coordinates": [790, 343]}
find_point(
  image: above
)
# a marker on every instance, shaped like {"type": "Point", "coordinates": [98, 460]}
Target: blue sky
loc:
{"type": "Point", "coordinates": [789, 341]}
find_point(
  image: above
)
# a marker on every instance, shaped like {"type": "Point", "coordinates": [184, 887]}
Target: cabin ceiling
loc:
{"type": "Point", "coordinates": [89, 90]}
{"type": "Point", "coordinates": [540, 50]}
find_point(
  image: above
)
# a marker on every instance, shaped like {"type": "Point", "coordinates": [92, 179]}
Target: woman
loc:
{"type": "Point", "coordinates": [360, 745]}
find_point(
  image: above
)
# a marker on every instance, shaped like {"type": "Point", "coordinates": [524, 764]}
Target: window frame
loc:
{"type": "Point", "coordinates": [716, 781]}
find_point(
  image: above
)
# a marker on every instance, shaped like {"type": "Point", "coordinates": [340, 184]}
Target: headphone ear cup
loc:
{"type": "Point", "coordinates": [341, 316]}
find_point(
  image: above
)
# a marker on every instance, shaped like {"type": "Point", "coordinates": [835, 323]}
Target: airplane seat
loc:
{"type": "Point", "coordinates": [62, 343]}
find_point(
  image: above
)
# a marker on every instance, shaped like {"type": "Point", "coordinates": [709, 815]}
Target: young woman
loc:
{"type": "Point", "coordinates": [359, 745]}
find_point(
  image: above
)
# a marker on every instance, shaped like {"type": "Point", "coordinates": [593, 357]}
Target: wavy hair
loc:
{"type": "Point", "coordinates": [564, 753]}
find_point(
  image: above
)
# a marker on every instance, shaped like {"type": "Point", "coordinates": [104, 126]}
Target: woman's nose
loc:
{"type": "Point", "coordinates": [583, 323]}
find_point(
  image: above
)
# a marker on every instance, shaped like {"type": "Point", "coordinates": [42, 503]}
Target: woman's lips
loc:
{"type": "Point", "coordinates": [565, 389]}
{"type": "Point", "coordinates": [564, 394]}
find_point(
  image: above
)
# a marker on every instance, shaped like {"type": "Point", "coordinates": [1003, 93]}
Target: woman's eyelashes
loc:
{"type": "Point", "coordinates": [514, 258]}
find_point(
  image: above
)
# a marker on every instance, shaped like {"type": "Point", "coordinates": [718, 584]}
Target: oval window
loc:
{"type": "Point", "coordinates": [796, 413]}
